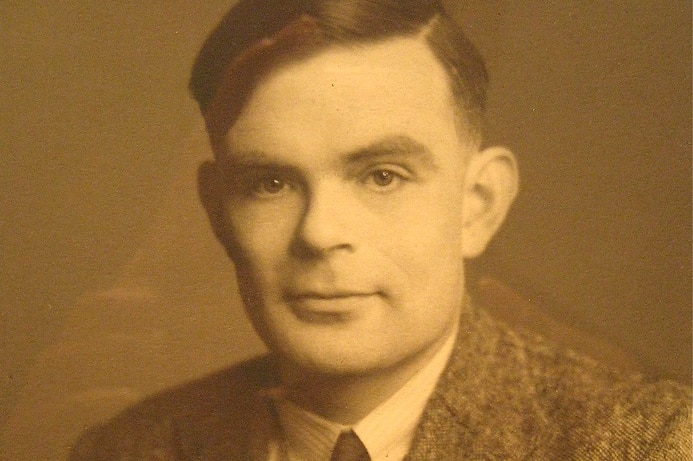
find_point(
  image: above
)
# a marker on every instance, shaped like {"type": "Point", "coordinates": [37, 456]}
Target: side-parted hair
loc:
{"type": "Point", "coordinates": [256, 36]}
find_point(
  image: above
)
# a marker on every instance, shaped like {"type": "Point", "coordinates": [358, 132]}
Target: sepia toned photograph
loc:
{"type": "Point", "coordinates": [346, 230]}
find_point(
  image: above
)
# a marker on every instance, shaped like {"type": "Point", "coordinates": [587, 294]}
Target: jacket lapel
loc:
{"type": "Point", "coordinates": [484, 406]}
{"type": "Point", "coordinates": [242, 424]}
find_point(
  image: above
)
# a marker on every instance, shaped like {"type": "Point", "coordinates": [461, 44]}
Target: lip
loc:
{"type": "Point", "coordinates": [327, 307]}
{"type": "Point", "coordinates": [327, 295]}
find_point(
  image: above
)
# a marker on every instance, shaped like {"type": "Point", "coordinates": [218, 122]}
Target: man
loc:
{"type": "Point", "coordinates": [348, 187]}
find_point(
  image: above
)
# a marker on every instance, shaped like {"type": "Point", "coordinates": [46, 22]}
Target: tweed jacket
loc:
{"type": "Point", "coordinates": [502, 397]}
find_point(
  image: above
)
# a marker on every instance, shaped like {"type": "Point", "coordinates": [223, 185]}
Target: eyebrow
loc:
{"type": "Point", "coordinates": [393, 146]}
{"type": "Point", "coordinates": [399, 146]}
{"type": "Point", "coordinates": [245, 159]}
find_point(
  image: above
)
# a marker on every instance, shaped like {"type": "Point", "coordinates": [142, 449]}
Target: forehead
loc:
{"type": "Point", "coordinates": [349, 95]}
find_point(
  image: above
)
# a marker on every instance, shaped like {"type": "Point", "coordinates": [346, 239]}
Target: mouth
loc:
{"type": "Point", "coordinates": [329, 307]}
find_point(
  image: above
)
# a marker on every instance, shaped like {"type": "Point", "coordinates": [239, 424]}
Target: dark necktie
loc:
{"type": "Point", "coordinates": [349, 448]}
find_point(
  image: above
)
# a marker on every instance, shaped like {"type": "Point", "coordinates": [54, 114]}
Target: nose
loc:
{"type": "Point", "coordinates": [325, 224]}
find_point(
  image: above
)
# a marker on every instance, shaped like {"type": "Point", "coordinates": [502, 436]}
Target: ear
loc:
{"type": "Point", "coordinates": [491, 184]}
{"type": "Point", "coordinates": [210, 186]}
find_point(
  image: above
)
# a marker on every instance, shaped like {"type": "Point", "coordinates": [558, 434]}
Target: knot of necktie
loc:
{"type": "Point", "coordinates": [349, 448]}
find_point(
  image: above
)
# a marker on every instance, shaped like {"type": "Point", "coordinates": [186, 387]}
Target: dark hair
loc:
{"type": "Point", "coordinates": [256, 34]}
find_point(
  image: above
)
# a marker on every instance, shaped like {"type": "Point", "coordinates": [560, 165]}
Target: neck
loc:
{"type": "Point", "coordinates": [347, 399]}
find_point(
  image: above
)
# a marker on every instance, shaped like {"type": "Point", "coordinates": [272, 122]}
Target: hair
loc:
{"type": "Point", "coordinates": [255, 36]}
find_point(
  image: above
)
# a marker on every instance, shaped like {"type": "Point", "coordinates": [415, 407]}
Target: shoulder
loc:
{"type": "Point", "coordinates": [184, 419]}
{"type": "Point", "coordinates": [604, 414]}
{"type": "Point", "coordinates": [544, 401]}
{"type": "Point", "coordinates": [598, 412]}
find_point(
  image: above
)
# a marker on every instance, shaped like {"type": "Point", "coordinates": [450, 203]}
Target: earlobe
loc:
{"type": "Point", "coordinates": [210, 188]}
{"type": "Point", "coordinates": [491, 184]}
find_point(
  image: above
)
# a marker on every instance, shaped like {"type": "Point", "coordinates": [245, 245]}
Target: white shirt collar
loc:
{"type": "Point", "coordinates": [387, 431]}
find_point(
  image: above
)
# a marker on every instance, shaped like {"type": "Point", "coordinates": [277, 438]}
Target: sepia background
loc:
{"type": "Point", "coordinates": [112, 287]}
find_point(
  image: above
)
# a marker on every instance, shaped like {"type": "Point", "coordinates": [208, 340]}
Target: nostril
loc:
{"type": "Point", "coordinates": [303, 251]}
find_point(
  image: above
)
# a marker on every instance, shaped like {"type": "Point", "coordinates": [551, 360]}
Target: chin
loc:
{"type": "Point", "coordinates": [315, 358]}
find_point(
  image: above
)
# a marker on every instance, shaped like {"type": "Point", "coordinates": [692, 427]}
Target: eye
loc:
{"type": "Point", "coordinates": [270, 186]}
{"type": "Point", "coordinates": [384, 179]}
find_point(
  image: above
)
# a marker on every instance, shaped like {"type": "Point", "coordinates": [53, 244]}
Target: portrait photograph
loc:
{"type": "Point", "coordinates": [345, 230]}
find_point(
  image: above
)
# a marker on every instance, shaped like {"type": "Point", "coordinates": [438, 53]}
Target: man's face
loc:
{"type": "Point", "coordinates": [343, 211]}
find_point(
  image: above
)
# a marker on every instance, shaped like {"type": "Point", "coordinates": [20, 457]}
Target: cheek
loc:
{"type": "Point", "coordinates": [426, 250]}
{"type": "Point", "coordinates": [261, 235]}
{"type": "Point", "coordinates": [427, 229]}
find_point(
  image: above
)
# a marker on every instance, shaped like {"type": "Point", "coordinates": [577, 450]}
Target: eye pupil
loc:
{"type": "Point", "coordinates": [383, 177]}
{"type": "Point", "coordinates": [272, 185]}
